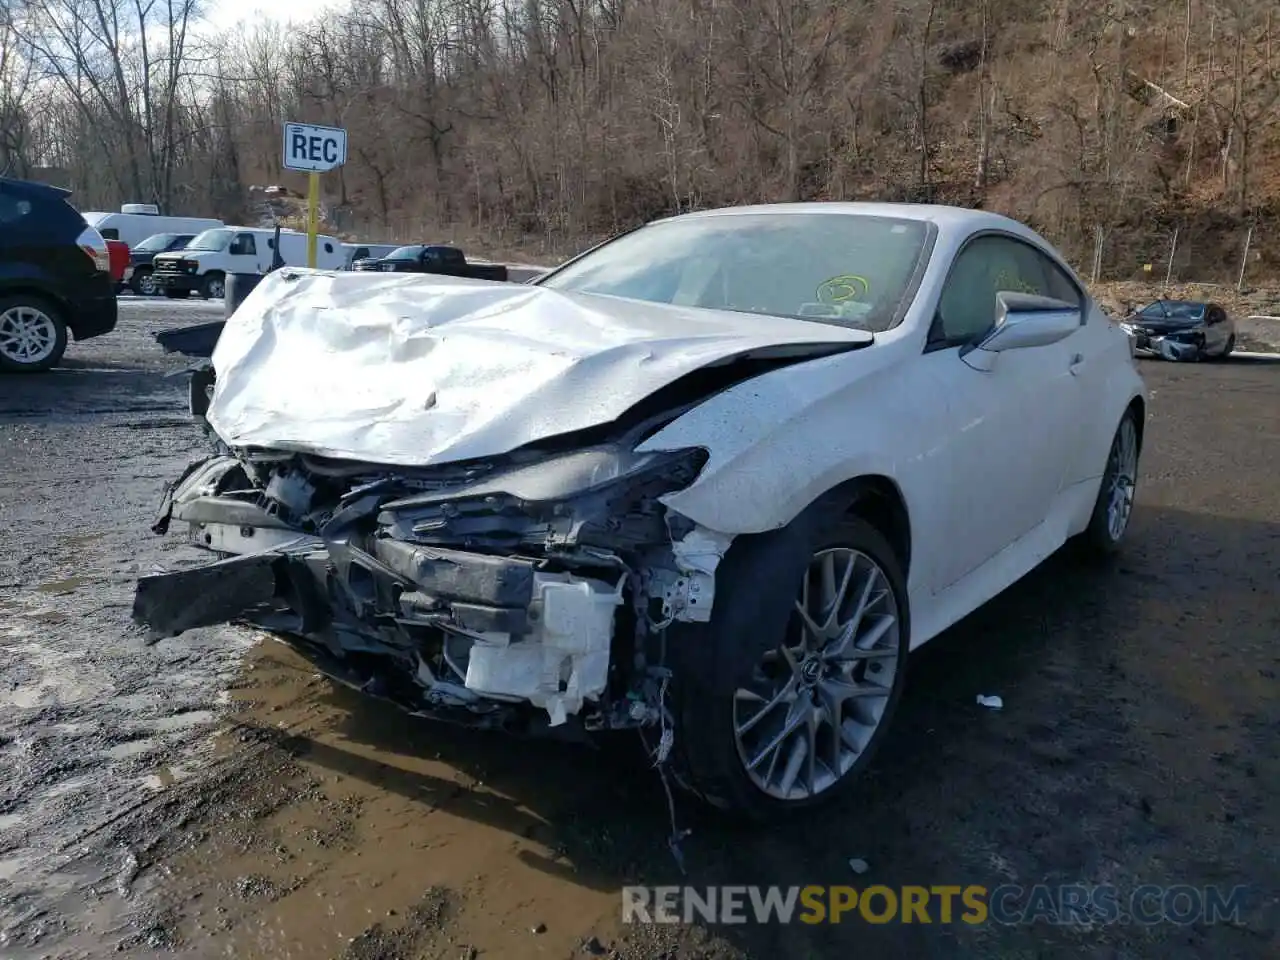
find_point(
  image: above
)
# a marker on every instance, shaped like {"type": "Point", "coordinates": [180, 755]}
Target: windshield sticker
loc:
{"type": "Point", "coordinates": [844, 287]}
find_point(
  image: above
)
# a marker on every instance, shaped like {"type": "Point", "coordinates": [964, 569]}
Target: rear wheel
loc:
{"type": "Point", "coordinates": [33, 335]}
{"type": "Point", "coordinates": [787, 694]}
{"type": "Point", "coordinates": [1114, 506]}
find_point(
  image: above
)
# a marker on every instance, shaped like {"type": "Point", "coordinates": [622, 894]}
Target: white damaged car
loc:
{"type": "Point", "coordinates": [713, 479]}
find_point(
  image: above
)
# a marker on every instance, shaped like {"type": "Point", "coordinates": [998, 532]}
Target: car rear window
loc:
{"type": "Point", "coordinates": [45, 214]}
{"type": "Point", "coordinates": [13, 209]}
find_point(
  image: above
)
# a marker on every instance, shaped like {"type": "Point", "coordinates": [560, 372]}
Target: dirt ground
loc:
{"type": "Point", "coordinates": [210, 796]}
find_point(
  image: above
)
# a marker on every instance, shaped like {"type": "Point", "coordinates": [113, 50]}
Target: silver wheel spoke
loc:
{"type": "Point", "coordinates": [1123, 479]}
{"type": "Point", "coordinates": [782, 696]}
{"type": "Point", "coordinates": [814, 706]}
{"type": "Point", "coordinates": [27, 335]}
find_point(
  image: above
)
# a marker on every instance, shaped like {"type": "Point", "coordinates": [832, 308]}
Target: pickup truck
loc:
{"type": "Point", "coordinates": [432, 258]}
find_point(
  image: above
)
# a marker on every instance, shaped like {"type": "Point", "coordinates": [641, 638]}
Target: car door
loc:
{"type": "Point", "coordinates": [1011, 431]}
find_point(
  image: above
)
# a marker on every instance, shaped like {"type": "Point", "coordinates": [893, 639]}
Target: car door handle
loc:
{"type": "Point", "coordinates": [1077, 360]}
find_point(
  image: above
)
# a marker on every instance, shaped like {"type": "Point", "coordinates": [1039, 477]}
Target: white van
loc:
{"type": "Point", "coordinates": [137, 221]}
{"type": "Point", "coordinates": [202, 266]}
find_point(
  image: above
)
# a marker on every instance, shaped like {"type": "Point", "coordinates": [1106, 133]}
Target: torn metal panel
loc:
{"type": "Point", "coordinates": [172, 603]}
{"type": "Point", "coordinates": [688, 591]}
{"type": "Point", "coordinates": [411, 370]}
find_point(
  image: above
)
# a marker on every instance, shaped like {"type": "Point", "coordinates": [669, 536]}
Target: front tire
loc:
{"type": "Point", "coordinates": [33, 335]}
{"type": "Point", "coordinates": [143, 283]}
{"type": "Point", "coordinates": [779, 710]}
{"type": "Point", "coordinates": [1113, 508]}
{"type": "Point", "coordinates": [214, 286]}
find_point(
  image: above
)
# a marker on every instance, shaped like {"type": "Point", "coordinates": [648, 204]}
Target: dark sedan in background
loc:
{"type": "Point", "coordinates": [1182, 330]}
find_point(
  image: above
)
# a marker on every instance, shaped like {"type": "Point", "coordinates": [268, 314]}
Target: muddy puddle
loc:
{"type": "Point", "coordinates": [361, 831]}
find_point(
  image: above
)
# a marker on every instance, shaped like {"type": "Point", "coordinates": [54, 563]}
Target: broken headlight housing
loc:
{"type": "Point", "coordinates": [579, 472]}
{"type": "Point", "coordinates": [604, 496]}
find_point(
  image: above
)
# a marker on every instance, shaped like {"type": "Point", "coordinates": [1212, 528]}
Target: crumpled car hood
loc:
{"type": "Point", "coordinates": [412, 370]}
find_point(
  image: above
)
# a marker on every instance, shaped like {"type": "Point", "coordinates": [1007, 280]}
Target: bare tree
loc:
{"type": "Point", "coordinates": [548, 124]}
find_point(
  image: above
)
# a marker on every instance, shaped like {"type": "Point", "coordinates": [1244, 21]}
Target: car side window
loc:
{"type": "Point", "coordinates": [109, 233]}
{"type": "Point", "coordinates": [989, 265]}
{"type": "Point", "coordinates": [243, 244]}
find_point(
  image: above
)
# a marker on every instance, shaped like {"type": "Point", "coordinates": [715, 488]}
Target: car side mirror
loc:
{"type": "Point", "coordinates": [1027, 320]}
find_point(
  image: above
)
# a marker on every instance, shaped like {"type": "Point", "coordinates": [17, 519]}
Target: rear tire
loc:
{"type": "Point", "coordinates": [847, 683]}
{"type": "Point", "coordinates": [33, 335]}
{"type": "Point", "coordinates": [1113, 508]}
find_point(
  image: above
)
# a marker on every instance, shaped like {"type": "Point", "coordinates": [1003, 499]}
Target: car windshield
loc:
{"type": "Point", "coordinates": [411, 252]}
{"type": "Point", "coordinates": [211, 240]}
{"type": "Point", "coordinates": [156, 242]}
{"type": "Point", "coordinates": [1174, 310]}
{"type": "Point", "coordinates": [848, 269]}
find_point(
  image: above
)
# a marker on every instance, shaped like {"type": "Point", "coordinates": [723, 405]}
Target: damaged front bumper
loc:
{"type": "Point", "coordinates": [461, 603]}
{"type": "Point", "coordinates": [1181, 345]}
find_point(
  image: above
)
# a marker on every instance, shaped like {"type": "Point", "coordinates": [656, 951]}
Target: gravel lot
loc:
{"type": "Point", "coordinates": [209, 796]}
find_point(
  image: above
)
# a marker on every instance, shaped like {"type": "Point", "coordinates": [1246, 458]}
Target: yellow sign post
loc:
{"type": "Point", "coordinates": [313, 218]}
{"type": "Point", "coordinates": [313, 149]}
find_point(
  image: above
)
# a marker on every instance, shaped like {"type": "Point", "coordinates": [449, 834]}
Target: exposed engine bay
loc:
{"type": "Point", "coordinates": [469, 592]}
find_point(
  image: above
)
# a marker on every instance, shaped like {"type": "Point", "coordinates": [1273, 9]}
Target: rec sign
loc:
{"type": "Point", "coordinates": [313, 148]}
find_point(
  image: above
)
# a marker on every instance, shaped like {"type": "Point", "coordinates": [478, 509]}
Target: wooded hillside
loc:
{"type": "Point", "coordinates": [538, 126]}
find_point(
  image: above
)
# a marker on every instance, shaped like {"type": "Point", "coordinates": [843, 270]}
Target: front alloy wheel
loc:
{"type": "Point", "coordinates": [32, 337]}
{"type": "Point", "coordinates": [813, 705]}
{"type": "Point", "coordinates": [784, 697]}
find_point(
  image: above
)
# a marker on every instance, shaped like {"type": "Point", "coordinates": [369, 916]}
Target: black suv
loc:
{"type": "Point", "coordinates": [55, 277]}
